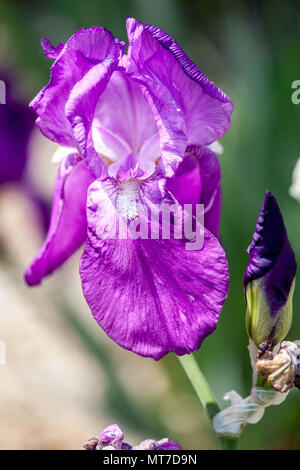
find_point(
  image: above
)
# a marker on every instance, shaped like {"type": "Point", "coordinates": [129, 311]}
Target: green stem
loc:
{"type": "Point", "coordinates": [205, 395]}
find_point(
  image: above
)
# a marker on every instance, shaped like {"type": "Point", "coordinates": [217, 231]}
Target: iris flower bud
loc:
{"type": "Point", "coordinates": [269, 279]}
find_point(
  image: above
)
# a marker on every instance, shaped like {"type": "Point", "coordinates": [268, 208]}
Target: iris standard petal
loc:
{"type": "Point", "coordinates": [87, 57]}
{"type": "Point", "coordinates": [151, 296]}
{"type": "Point", "coordinates": [124, 114]}
{"type": "Point", "coordinates": [188, 108]}
{"type": "Point", "coordinates": [68, 224]}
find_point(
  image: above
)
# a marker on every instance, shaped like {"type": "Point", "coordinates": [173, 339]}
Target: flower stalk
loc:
{"type": "Point", "coordinates": [205, 395]}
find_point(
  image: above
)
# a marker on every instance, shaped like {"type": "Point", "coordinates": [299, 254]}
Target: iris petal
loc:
{"type": "Point", "coordinates": [187, 107]}
{"type": "Point", "coordinates": [67, 229]}
{"type": "Point", "coordinates": [123, 111]}
{"type": "Point", "coordinates": [150, 296]}
{"type": "Point", "coordinates": [89, 51]}
{"type": "Point", "coordinates": [197, 180]}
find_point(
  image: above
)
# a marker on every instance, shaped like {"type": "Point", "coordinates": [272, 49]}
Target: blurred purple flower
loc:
{"type": "Point", "coordinates": [16, 125]}
{"type": "Point", "coordinates": [269, 277]}
{"type": "Point", "coordinates": [136, 129]}
{"type": "Point", "coordinates": [112, 438]}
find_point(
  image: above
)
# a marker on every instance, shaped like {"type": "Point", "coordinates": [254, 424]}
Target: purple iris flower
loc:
{"type": "Point", "coordinates": [136, 128]}
{"type": "Point", "coordinates": [270, 277]}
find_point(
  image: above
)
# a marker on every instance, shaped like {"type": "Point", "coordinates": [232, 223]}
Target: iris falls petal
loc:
{"type": "Point", "coordinates": [150, 296]}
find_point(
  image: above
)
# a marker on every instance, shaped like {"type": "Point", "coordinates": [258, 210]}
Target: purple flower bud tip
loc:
{"type": "Point", "coordinates": [270, 251]}
{"type": "Point", "coordinates": [269, 277]}
{"type": "Point", "coordinates": [111, 438]}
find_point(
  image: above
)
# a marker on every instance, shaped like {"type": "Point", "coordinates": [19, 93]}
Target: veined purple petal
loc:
{"type": "Point", "coordinates": [186, 184]}
{"type": "Point", "coordinates": [211, 187]}
{"type": "Point", "coordinates": [123, 115]}
{"type": "Point", "coordinates": [81, 104]}
{"type": "Point", "coordinates": [151, 296]}
{"type": "Point", "coordinates": [197, 180]}
{"type": "Point", "coordinates": [271, 256]}
{"type": "Point", "coordinates": [187, 107]}
{"type": "Point", "coordinates": [68, 223]}
{"type": "Point", "coordinates": [79, 73]}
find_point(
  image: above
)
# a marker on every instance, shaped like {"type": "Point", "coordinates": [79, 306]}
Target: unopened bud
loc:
{"type": "Point", "coordinates": [269, 278]}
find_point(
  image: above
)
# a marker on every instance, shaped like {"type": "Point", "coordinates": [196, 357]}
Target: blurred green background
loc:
{"type": "Point", "coordinates": [252, 51]}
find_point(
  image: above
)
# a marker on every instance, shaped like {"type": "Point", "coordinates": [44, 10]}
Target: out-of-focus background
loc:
{"type": "Point", "coordinates": [64, 380]}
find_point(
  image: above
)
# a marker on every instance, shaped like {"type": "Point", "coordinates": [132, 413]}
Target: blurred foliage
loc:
{"type": "Point", "coordinates": [252, 50]}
